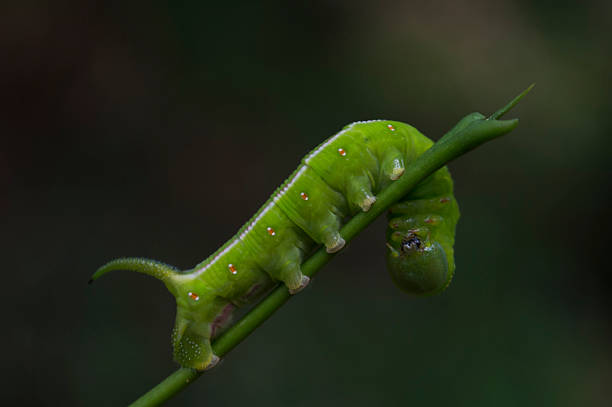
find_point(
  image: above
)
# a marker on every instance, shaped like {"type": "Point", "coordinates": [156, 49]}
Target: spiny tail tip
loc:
{"type": "Point", "coordinates": [99, 273]}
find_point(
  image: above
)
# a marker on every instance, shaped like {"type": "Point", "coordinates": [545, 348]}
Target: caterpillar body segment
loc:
{"type": "Point", "coordinates": [338, 179]}
{"type": "Point", "coordinates": [313, 206]}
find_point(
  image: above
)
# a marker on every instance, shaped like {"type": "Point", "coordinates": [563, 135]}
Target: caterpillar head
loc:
{"type": "Point", "coordinates": [417, 264]}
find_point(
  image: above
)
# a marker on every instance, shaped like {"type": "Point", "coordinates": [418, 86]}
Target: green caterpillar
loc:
{"type": "Point", "coordinates": [335, 181]}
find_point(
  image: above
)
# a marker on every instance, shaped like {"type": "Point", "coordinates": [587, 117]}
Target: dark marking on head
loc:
{"type": "Point", "coordinates": [411, 243]}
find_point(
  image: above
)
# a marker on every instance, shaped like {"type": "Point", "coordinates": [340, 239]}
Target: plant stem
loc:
{"type": "Point", "coordinates": [449, 147]}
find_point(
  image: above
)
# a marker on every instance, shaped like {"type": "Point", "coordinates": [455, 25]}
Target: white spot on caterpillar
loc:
{"type": "Point", "coordinates": [271, 231]}
{"type": "Point", "coordinates": [390, 126]}
{"type": "Point", "coordinates": [193, 296]}
{"type": "Point", "coordinates": [232, 269]}
{"type": "Point", "coordinates": [303, 196]}
{"type": "Point", "coordinates": [341, 152]}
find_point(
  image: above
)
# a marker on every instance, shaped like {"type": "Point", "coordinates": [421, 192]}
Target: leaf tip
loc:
{"type": "Point", "coordinates": [511, 104]}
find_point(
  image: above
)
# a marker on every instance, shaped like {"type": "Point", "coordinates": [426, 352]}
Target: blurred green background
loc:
{"type": "Point", "coordinates": [156, 130]}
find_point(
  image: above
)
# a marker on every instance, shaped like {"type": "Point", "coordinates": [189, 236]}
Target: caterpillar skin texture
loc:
{"type": "Point", "coordinates": [333, 182]}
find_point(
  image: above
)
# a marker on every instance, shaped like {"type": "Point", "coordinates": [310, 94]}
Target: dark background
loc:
{"type": "Point", "coordinates": [156, 130]}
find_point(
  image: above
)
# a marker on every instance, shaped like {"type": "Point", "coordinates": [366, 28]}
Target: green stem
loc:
{"type": "Point", "coordinates": [450, 146]}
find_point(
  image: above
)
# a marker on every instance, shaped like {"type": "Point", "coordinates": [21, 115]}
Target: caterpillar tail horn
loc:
{"type": "Point", "coordinates": [159, 270]}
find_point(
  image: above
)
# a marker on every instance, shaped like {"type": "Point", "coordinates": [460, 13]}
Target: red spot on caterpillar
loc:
{"type": "Point", "coordinates": [341, 152]}
{"type": "Point", "coordinates": [232, 269]}
{"type": "Point", "coordinates": [444, 200]}
{"type": "Point", "coordinates": [390, 126]}
{"type": "Point", "coordinates": [271, 232]}
{"type": "Point", "coordinates": [304, 196]}
{"type": "Point", "coordinates": [193, 296]}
